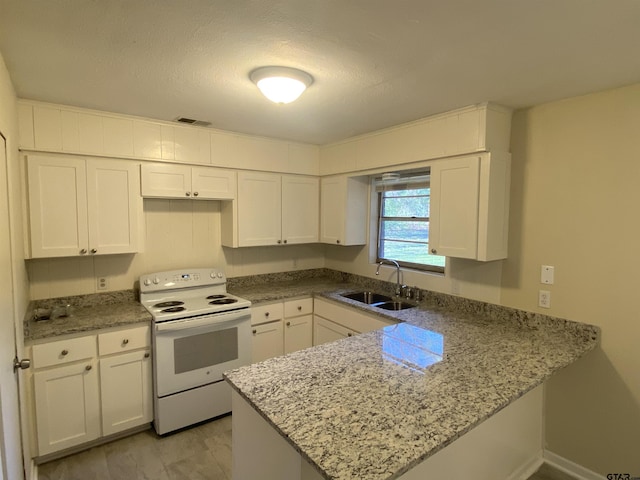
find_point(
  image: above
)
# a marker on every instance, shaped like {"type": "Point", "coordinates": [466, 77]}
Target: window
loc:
{"type": "Point", "coordinates": [403, 222]}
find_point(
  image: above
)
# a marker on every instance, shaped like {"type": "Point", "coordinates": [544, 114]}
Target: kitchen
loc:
{"type": "Point", "coordinates": [558, 149]}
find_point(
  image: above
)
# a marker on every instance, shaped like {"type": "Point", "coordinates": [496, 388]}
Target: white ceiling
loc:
{"type": "Point", "coordinates": [376, 63]}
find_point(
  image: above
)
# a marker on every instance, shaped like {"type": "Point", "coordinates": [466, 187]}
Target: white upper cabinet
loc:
{"type": "Point", "coordinates": [343, 210]}
{"type": "Point", "coordinates": [300, 209]}
{"type": "Point", "coordinates": [271, 209]}
{"type": "Point", "coordinates": [259, 209]}
{"type": "Point", "coordinates": [470, 207]}
{"type": "Point", "coordinates": [82, 206]}
{"type": "Point", "coordinates": [165, 180]}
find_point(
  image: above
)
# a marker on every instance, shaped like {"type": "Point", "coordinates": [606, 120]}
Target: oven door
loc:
{"type": "Point", "coordinates": [192, 352]}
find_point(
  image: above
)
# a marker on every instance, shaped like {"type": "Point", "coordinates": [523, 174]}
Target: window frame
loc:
{"type": "Point", "coordinates": [414, 266]}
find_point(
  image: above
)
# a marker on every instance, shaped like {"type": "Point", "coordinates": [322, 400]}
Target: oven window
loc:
{"type": "Point", "coordinates": [205, 350]}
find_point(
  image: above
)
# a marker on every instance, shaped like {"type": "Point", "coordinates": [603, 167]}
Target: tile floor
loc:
{"type": "Point", "coordinates": [199, 453]}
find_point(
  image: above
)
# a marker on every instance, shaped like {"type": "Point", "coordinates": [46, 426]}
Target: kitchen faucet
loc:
{"type": "Point", "coordinates": [392, 262]}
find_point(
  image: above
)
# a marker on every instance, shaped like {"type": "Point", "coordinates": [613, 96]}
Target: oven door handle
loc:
{"type": "Point", "coordinates": [201, 322]}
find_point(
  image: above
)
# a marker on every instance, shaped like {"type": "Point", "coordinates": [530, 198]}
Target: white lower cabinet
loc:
{"type": "Point", "coordinates": [333, 322]}
{"type": "Point", "coordinates": [67, 402]}
{"type": "Point", "coordinates": [82, 392]}
{"type": "Point", "coordinates": [281, 327]}
{"type": "Point", "coordinates": [298, 324]}
{"type": "Point", "coordinates": [325, 331]}
{"type": "Point", "coordinates": [125, 391]}
{"type": "Point", "coordinates": [266, 327]}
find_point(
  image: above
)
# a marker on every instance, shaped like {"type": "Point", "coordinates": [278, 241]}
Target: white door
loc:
{"type": "Point", "coordinates": [333, 203]}
{"type": "Point", "coordinates": [259, 209]}
{"type": "Point", "coordinates": [10, 441]}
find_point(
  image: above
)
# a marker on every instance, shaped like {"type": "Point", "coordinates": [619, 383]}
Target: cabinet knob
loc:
{"type": "Point", "coordinates": [83, 251]}
{"type": "Point", "coordinates": [434, 251]}
{"type": "Point", "coordinates": [337, 241]}
{"type": "Point", "coordinates": [147, 355]}
{"type": "Point", "coordinates": [279, 241]}
{"type": "Point", "coordinates": [284, 241]}
{"type": "Point", "coordinates": [188, 194]}
{"type": "Point", "coordinates": [125, 341]}
{"type": "Point", "coordinates": [195, 194]}
{"type": "Point", "coordinates": [299, 308]}
{"type": "Point", "coordinates": [266, 314]}
{"type": "Point", "coordinates": [254, 331]}
{"type": "Point", "coordinates": [88, 367]}
{"type": "Point", "coordinates": [349, 334]}
{"type": "Point", "coordinates": [93, 250]}
{"type": "Point", "coordinates": [64, 352]}
{"type": "Point", "coordinates": [288, 324]}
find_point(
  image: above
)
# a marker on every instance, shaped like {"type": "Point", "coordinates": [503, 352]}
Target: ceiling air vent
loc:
{"type": "Point", "coordinates": [191, 121]}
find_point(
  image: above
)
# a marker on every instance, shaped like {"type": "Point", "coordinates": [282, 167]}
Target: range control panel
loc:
{"type": "Point", "coordinates": [169, 280]}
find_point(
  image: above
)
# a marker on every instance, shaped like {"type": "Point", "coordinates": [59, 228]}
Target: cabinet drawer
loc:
{"type": "Point", "coordinates": [123, 340]}
{"type": "Point", "coordinates": [64, 351]}
{"type": "Point", "coordinates": [266, 313]}
{"type": "Point", "coordinates": [301, 306]}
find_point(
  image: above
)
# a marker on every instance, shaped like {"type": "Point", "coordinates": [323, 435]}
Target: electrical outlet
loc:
{"type": "Point", "coordinates": [103, 283]}
{"type": "Point", "coordinates": [455, 287]}
{"type": "Point", "coordinates": [544, 299]}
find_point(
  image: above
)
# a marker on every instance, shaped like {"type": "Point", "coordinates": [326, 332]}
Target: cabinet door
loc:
{"type": "Point", "coordinates": [67, 406]}
{"type": "Point", "coordinates": [125, 381]}
{"type": "Point", "coordinates": [57, 206]}
{"type": "Point", "coordinates": [213, 183]}
{"type": "Point", "coordinates": [259, 209]}
{"type": "Point", "coordinates": [300, 209]}
{"type": "Point", "coordinates": [453, 223]}
{"type": "Point", "coordinates": [298, 333]}
{"type": "Point", "coordinates": [165, 180]}
{"type": "Point", "coordinates": [333, 199]}
{"type": "Point", "coordinates": [113, 200]}
{"type": "Point", "coordinates": [267, 341]}
{"type": "Point", "coordinates": [325, 331]}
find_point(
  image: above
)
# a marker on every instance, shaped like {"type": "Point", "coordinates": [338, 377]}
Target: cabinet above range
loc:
{"type": "Point", "coordinates": [165, 180]}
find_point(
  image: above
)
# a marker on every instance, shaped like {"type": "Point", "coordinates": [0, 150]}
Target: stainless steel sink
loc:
{"type": "Point", "coordinates": [395, 305]}
{"type": "Point", "coordinates": [369, 298]}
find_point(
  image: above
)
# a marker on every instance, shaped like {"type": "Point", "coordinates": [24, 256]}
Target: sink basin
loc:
{"type": "Point", "coordinates": [395, 306]}
{"type": "Point", "coordinates": [367, 297]}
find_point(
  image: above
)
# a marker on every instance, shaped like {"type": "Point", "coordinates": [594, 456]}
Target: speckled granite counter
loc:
{"type": "Point", "coordinates": [89, 312]}
{"type": "Point", "coordinates": [375, 405]}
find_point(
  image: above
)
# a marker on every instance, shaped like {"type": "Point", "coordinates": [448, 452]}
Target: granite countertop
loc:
{"type": "Point", "coordinates": [87, 314]}
{"type": "Point", "coordinates": [375, 405]}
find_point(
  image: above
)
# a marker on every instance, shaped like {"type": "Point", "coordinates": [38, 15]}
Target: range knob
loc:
{"type": "Point", "coordinates": [156, 281]}
{"type": "Point", "coordinates": [213, 275]}
{"type": "Point", "coordinates": [219, 274]}
{"type": "Point", "coordinates": [147, 282]}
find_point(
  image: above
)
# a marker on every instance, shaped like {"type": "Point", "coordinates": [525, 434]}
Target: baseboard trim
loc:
{"type": "Point", "coordinates": [569, 467]}
{"type": "Point", "coordinates": [528, 468]}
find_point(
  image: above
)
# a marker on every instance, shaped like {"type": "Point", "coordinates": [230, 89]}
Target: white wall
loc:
{"type": "Point", "coordinates": [575, 203]}
{"type": "Point", "coordinates": [179, 234]}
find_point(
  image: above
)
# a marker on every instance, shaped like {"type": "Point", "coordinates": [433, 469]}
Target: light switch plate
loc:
{"type": "Point", "coordinates": [546, 274]}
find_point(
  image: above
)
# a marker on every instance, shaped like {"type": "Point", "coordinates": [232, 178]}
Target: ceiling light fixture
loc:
{"type": "Point", "coordinates": [281, 84]}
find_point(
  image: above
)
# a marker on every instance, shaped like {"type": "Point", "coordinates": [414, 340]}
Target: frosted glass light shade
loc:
{"type": "Point", "coordinates": [281, 84]}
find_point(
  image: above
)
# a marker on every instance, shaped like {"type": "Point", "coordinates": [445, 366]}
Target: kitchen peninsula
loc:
{"type": "Point", "coordinates": [403, 401]}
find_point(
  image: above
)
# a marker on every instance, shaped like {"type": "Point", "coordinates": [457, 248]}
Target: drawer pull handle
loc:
{"type": "Point", "coordinates": [88, 367]}
{"type": "Point", "coordinates": [299, 308]}
{"type": "Point", "coordinates": [288, 324]}
{"type": "Point", "coordinates": [255, 331]}
{"type": "Point", "coordinates": [125, 341]}
{"type": "Point", "coordinates": [147, 355]}
{"type": "Point", "coordinates": [64, 352]}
